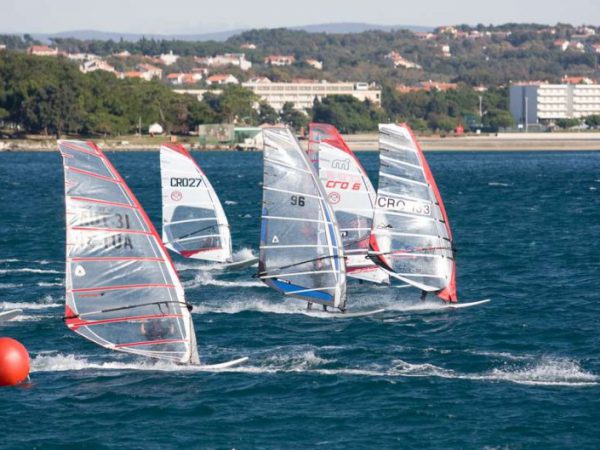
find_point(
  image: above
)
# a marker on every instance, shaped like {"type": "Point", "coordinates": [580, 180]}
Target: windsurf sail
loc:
{"type": "Point", "coordinates": [411, 236]}
{"type": "Point", "coordinates": [194, 222]}
{"type": "Point", "coordinates": [122, 290]}
{"type": "Point", "coordinates": [301, 253]}
{"type": "Point", "coordinates": [351, 196]}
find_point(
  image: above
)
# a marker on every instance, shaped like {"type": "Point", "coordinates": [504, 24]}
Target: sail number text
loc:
{"type": "Point", "coordinates": [334, 184]}
{"type": "Point", "coordinates": [297, 200]}
{"type": "Point", "coordinates": [185, 182]}
{"type": "Point", "coordinates": [397, 204]}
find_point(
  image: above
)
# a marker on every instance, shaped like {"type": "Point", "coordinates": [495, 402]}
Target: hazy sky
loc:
{"type": "Point", "coordinates": [198, 16]}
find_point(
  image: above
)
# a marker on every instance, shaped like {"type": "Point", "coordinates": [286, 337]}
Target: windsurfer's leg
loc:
{"type": "Point", "coordinates": [423, 295]}
{"type": "Point", "coordinates": [324, 307]}
{"type": "Point", "coordinates": [308, 306]}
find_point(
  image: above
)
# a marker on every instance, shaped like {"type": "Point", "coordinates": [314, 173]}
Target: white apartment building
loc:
{"type": "Point", "coordinates": [303, 94]}
{"type": "Point", "coordinates": [542, 102]}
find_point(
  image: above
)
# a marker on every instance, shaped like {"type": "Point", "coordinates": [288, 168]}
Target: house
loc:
{"type": "Point", "coordinates": [399, 61]}
{"type": "Point", "coordinates": [123, 54]}
{"type": "Point", "coordinates": [596, 48]}
{"type": "Point", "coordinates": [42, 50]}
{"type": "Point", "coordinates": [82, 56]}
{"type": "Point", "coordinates": [2, 47]}
{"type": "Point", "coordinates": [445, 49]}
{"type": "Point", "coordinates": [428, 86]}
{"type": "Point", "coordinates": [562, 44]}
{"type": "Point", "coordinates": [280, 60]}
{"type": "Point", "coordinates": [228, 59]}
{"type": "Point", "coordinates": [179, 78]}
{"type": "Point", "coordinates": [96, 64]}
{"type": "Point", "coordinates": [222, 78]}
{"type": "Point", "coordinates": [168, 59]}
{"type": "Point", "coordinates": [577, 80]}
{"type": "Point", "coordinates": [446, 30]}
{"type": "Point", "coordinates": [314, 63]}
{"type": "Point", "coordinates": [423, 35]}
{"type": "Point", "coordinates": [149, 71]}
{"type": "Point", "coordinates": [259, 80]}
{"type": "Point", "coordinates": [248, 46]}
{"type": "Point", "coordinates": [586, 31]}
{"type": "Point", "coordinates": [579, 46]}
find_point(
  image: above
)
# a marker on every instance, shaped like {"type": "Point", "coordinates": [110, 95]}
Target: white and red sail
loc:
{"type": "Point", "coordinates": [411, 236]}
{"type": "Point", "coordinates": [351, 196]}
{"type": "Point", "coordinates": [194, 222]}
{"type": "Point", "coordinates": [122, 290]}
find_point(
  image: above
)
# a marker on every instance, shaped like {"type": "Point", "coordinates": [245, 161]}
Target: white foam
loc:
{"type": "Point", "coordinates": [243, 254]}
{"type": "Point", "coordinates": [45, 303]}
{"type": "Point", "coordinates": [253, 304]}
{"type": "Point", "coordinates": [28, 270]}
{"type": "Point", "coordinates": [497, 183]}
{"type": "Point", "coordinates": [230, 202]}
{"type": "Point", "coordinates": [9, 260]}
{"type": "Point", "coordinates": [206, 279]}
{"type": "Point", "coordinates": [45, 284]}
{"type": "Point", "coordinates": [10, 285]}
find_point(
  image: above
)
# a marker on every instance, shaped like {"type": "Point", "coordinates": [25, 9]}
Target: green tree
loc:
{"type": "Point", "coordinates": [292, 117]}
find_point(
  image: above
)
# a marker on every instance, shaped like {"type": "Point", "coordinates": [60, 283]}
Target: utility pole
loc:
{"type": "Point", "coordinates": [526, 111]}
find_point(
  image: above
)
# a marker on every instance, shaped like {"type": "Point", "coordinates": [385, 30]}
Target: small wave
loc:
{"type": "Point", "coordinates": [60, 363]}
{"type": "Point", "coordinates": [230, 202]}
{"type": "Point", "coordinates": [497, 183]}
{"type": "Point", "coordinates": [29, 270]}
{"type": "Point", "coordinates": [45, 284]}
{"type": "Point", "coordinates": [547, 372]}
{"type": "Point", "coordinates": [502, 355]}
{"type": "Point", "coordinates": [9, 260]}
{"type": "Point", "coordinates": [592, 188]}
{"type": "Point", "coordinates": [10, 285]}
{"type": "Point", "coordinates": [29, 305]}
{"type": "Point", "coordinates": [253, 304]}
{"type": "Point", "coordinates": [29, 318]}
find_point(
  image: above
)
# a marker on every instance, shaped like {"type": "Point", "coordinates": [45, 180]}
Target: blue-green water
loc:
{"type": "Point", "coordinates": [520, 372]}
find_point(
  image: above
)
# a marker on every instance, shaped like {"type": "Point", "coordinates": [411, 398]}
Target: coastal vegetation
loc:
{"type": "Point", "coordinates": [51, 96]}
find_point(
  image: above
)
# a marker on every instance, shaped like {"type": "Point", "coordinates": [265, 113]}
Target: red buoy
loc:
{"type": "Point", "coordinates": [14, 362]}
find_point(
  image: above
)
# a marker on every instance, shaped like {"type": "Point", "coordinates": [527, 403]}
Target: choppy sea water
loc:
{"type": "Point", "coordinates": [520, 372]}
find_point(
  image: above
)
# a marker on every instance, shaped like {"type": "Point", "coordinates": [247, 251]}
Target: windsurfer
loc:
{"type": "Point", "coordinates": [155, 330]}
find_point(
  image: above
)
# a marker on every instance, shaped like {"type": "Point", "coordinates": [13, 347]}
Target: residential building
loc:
{"type": "Point", "coordinates": [82, 56]}
{"type": "Point", "coordinates": [248, 46]}
{"type": "Point", "coordinates": [168, 59]}
{"type": "Point", "coordinates": [42, 50]}
{"type": "Point", "coordinates": [562, 44]}
{"type": "Point", "coordinates": [222, 78]}
{"type": "Point", "coordinates": [123, 54]}
{"type": "Point", "coordinates": [445, 49]}
{"type": "Point", "coordinates": [428, 86]}
{"type": "Point", "coordinates": [316, 64]}
{"type": "Point", "coordinates": [149, 71]}
{"type": "Point", "coordinates": [303, 94]}
{"type": "Point", "coordinates": [280, 60]}
{"type": "Point", "coordinates": [96, 64]}
{"type": "Point", "coordinates": [2, 47]}
{"type": "Point", "coordinates": [399, 61]}
{"type": "Point", "coordinates": [228, 59]}
{"type": "Point", "coordinates": [179, 78]}
{"type": "Point", "coordinates": [535, 102]}
{"type": "Point", "coordinates": [596, 48]}
{"type": "Point", "coordinates": [423, 35]}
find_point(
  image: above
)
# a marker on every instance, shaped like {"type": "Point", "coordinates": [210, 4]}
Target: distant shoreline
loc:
{"type": "Point", "coordinates": [360, 142]}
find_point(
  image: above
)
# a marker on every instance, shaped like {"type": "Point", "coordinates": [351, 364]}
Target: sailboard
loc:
{"type": "Point", "coordinates": [351, 195]}
{"type": "Point", "coordinates": [122, 290]}
{"type": "Point", "coordinates": [194, 222]}
{"type": "Point", "coordinates": [301, 252]}
{"type": "Point", "coordinates": [411, 237]}
{"type": "Point", "coordinates": [5, 316]}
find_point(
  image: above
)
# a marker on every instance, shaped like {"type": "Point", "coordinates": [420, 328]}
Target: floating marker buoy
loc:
{"type": "Point", "coordinates": [14, 362]}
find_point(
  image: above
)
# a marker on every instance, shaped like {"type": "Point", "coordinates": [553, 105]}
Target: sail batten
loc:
{"type": "Point", "coordinates": [351, 196]}
{"type": "Point", "coordinates": [300, 248]}
{"type": "Point", "coordinates": [122, 290]}
{"type": "Point", "coordinates": [188, 197]}
{"type": "Point", "coordinates": [411, 238]}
